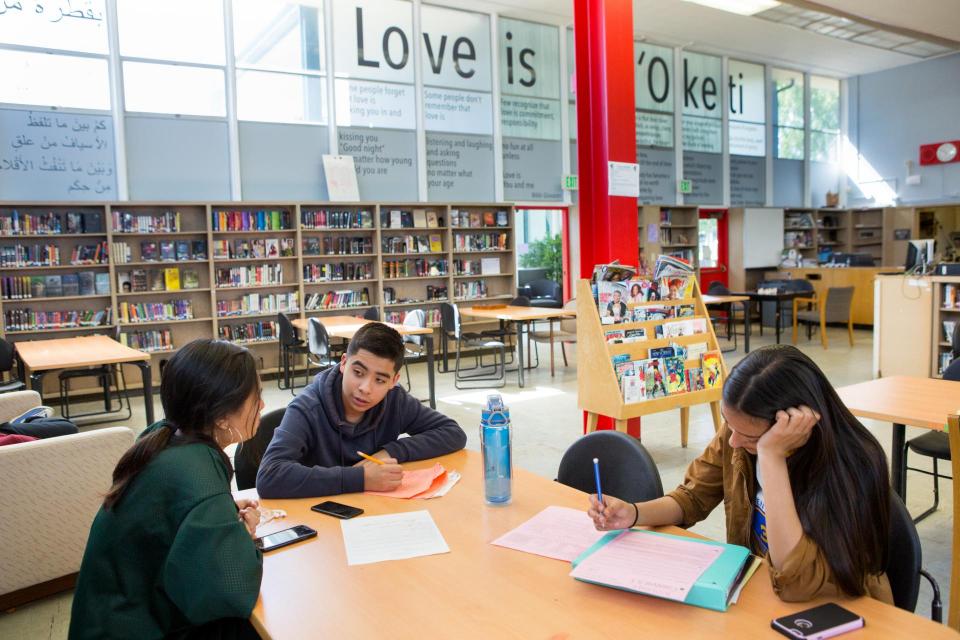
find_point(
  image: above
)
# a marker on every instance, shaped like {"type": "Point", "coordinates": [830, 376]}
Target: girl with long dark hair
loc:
{"type": "Point", "coordinates": [170, 553]}
{"type": "Point", "coordinates": [802, 482]}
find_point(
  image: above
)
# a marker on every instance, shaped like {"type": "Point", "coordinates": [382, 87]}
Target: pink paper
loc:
{"type": "Point", "coordinates": [648, 563]}
{"type": "Point", "coordinates": [413, 483]}
{"type": "Point", "coordinates": [556, 532]}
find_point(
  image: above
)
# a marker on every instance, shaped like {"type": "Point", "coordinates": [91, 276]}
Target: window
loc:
{"type": "Point", "coordinates": [824, 119]}
{"type": "Point", "coordinates": [281, 97]}
{"type": "Point", "coordinates": [788, 116]}
{"type": "Point", "coordinates": [180, 30]}
{"type": "Point", "coordinates": [702, 130]}
{"type": "Point", "coordinates": [653, 92]}
{"type": "Point", "coordinates": [747, 109]}
{"type": "Point", "coordinates": [54, 80]}
{"type": "Point", "coordinates": [163, 88]}
{"type": "Point", "coordinates": [80, 25]}
{"type": "Point", "coordinates": [278, 35]}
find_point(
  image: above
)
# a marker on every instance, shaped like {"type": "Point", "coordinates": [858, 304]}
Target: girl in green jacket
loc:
{"type": "Point", "coordinates": [170, 553]}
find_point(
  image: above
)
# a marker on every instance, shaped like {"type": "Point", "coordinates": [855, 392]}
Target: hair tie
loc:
{"type": "Point", "coordinates": [636, 517]}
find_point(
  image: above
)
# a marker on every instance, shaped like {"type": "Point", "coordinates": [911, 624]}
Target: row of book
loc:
{"type": "Point", "coordinates": [150, 341]}
{"type": "Point", "coordinates": [128, 222]}
{"type": "Point", "coordinates": [470, 289]}
{"type": "Point", "coordinates": [256, 303]}
{"type": "Point", "coordinates": [798, 239]}
{"type": "Point", "coordinates": [412, 244]}
{"type": "Point", "coordinates": [415, 219]}
{"type": "Point", "coordinates": [261, 331]}
{"type": "Point", "coordinates": [249, 275]}
{"type": "Point", "coordinates": [168, 279]}
{"type": "Point", "coordinates": [463, 267]}
{"type": "Point", "coordinates": [24, 224]}
{"type": "Point", "coordinates": [433, 293]}
{"type": "Point", "coordinates": [244, 248]}
{"type": "Point", "coordinates": [476, 219]}
{"type": "Point", "coordinates": [334, 271]}
{"type": "Point", "coordinates": [481, 241]}
{"type": "Point", "coordinates": [951, 296]}
{"type": "Point", "coordinates": [615, 300]}
{"type": "Point", "coordinates": [36, 255]}
{"type": "Point", "coordinates": [665, 373]}
{"type": "Point", "coordinates": [432, 317]}
{"type": "Point", "coordinates": [337, 246]}
{"type": "Point", "coordinates": [675, 236]}
{"type": "Point", "coordinates": [170, 250]}
{"type": "Point", "coordinates": [133, 312]}
{"type": "Point", "coordinates": [417, 268]}
{"type": "Point", "coordinates": [83, 283]}
{"type": "Point", "coordinates": [261, 220]}
{"type": "Point", "coordinates": [339, 299]}
{"type": "Point", "coordinates": [330, 219]}
{"type": "Point", "coordinates": [36, 320]}
{"type": "Point", "coordinates": [672, 329]}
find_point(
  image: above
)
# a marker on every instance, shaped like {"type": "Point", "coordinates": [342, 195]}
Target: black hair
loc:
{"type": "Point", "coordinates": [380, 340]}
{"type": "Point", "coordinates": [839, 477]}
{"type": "Point", "coordinates": [955, 342]}
{"type": "Point", "coordinates": [203, 382]}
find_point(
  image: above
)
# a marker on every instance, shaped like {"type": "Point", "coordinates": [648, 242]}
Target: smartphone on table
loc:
{"type": "Point", "coordinates": [821, 622]}
{"type": "Point", "coordinates": [285, 537]}
{"type": "Point", "coordinates": [337, 509]}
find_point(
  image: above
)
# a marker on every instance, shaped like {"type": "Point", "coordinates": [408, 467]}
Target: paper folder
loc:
{"type": "Point", "coordinates": [715, 586]}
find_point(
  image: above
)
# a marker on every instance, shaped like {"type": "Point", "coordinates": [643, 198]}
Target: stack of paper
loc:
{"type": "Point", "coordinates": [423, 483]}
{"type": "Point", "coordinates": [556, 532]}
{"type": "Point", "coordinates": [397, 536]}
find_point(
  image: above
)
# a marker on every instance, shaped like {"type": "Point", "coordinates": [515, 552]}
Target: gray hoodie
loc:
{"type": "Point", "coordinates": [313, 450]}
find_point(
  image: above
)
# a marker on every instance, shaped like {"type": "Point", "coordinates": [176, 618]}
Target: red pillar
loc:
{"type": "Point", "coordinates": [606, 131]}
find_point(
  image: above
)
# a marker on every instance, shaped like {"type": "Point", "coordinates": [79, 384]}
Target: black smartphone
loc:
{"type": "Point", "coordinates": [825, 621]}
{"type": "Point", "coordinates": [337, 510]}
{"type": "Point", "coordinates": [285, 537]}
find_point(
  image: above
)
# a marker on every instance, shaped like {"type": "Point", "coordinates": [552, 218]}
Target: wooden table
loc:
{"type": "Point", "coordinates": [522, 317]}
{"type": "Point", "coordinates": [479, 590]}
{"type": "Point", "coordinates": [345, 326]}
{"type": "Point", "coordinates": [713, 300]}
{"type": "Point", "coordinates": [43, 356]}
{"type": "Point", "coordinates": [779, 298]}
{"type": "Point", "coordinates": [903, 400]}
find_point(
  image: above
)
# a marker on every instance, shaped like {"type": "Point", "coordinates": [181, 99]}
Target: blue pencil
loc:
{"type": "Point", "coordinates": [596, 474]}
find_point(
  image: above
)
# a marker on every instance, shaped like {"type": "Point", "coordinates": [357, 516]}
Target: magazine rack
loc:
{"type": "Point", "coordinates": [598, 390]}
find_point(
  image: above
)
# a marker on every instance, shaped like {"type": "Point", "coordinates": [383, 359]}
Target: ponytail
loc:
{"type": "Point", "coordinates": [135, 460]}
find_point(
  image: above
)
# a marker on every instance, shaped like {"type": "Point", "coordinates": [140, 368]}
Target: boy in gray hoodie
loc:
{"type": "Point", "coordinates": [356, 406]}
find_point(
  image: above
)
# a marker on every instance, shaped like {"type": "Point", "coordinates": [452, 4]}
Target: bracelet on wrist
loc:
{"type": "Point", "coordinates": [637, 517]}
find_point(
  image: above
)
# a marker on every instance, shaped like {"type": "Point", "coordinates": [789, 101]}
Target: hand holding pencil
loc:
{"type": "Point", "coordinates": [380, 474]}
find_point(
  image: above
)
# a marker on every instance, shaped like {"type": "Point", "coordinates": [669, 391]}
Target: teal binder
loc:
{"type": "Point", "coordinates": [713, 588]}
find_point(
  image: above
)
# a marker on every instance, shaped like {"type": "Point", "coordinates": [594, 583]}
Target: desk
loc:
{"type": "Point", "coordinates": [902, 400]}
{"type": "Point", "coordinates": [43, 356]}
{"type": "Point", "coordinates": [479, 590]}
{"type": "Point", "coordinates": [522, 316]}
{"type": "Point", "coordinates": [778, 298]}
{"type": "Point", "coordinates": [346, 326]}
{"type": "Point", "coordinates": [709, 300]}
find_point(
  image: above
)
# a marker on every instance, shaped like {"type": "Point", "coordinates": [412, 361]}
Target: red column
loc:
{"type": "Point", "coordinates": [606, 130]}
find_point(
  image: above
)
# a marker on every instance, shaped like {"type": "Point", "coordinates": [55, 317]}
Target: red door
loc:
{"type": "Point", "coordinates": [713, 248]}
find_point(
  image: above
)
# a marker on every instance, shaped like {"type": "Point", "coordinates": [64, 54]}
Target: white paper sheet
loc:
{"type": "Point", "coordinates": [392, 537]}
{"type": "Point", "coordinates": [555, 532]}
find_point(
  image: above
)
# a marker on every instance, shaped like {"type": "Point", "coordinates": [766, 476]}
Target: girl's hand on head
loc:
{"type": "Point", "coordinates": [791, 431]}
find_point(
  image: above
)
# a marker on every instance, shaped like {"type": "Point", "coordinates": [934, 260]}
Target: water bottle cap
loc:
{"type": "Point", "coordinates": [495, 417]}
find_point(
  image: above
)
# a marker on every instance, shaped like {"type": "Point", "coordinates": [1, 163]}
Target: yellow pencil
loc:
{"type": "Point", "coordinates": [370, 458]}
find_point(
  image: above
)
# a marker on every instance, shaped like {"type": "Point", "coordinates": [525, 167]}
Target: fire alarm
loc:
{"type": "Point", "coordinates": [940, 152]}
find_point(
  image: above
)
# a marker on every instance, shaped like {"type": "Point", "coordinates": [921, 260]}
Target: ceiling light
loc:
{"type": "Point", "coordinates": [742, 7]}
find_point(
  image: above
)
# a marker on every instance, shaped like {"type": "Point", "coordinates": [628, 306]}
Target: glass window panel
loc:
{"type": "Point", "coordinates": [747, 95]}
{"type": "Point", "coordinates": [824, 104]}
{"type": "Point", "coordinates": [824, 146]}
{"type": "Point", "coordinates": [789, 143]}
{"type": "Point", "coordinates": [281, 97]}
{"type": "Point", "coordinates": [181, 30]}
{"type": "Point", "coordinates": [788, 98]}
{"type": "Point", "coordinates": [653, 77]}
{"type": "Point", "coordinates": [53, 80]}
{"type": "Point", "coordinates": [709, 243]}
{"type": "Point", "coordinates": [162, 88]}
{"type": "Point", "coordinates": [654, 129]}
{"type": "Point", "coordinates": [748, 139]}
{"type": "Point", "coordinates": [79, 25]}
{"type": "Point", "coordinates": [702, 134]}
{"type": "Point", "coordinates": [279, 35]}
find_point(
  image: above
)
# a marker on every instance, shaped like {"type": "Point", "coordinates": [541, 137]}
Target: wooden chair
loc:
{"type": "Point", "coordinates": [834, 307]}
{"type": "Point", "coordinates": [953, 614]}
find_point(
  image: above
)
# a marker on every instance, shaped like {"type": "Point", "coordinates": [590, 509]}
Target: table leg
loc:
{"type": "Point", "coordinates": [550, 320]}
{"type": "Point", "coordinates": [897, 478]}
{"type": "Point", "coordinates": [36, 382]}
{"type": "Point", "coordinates": [777, 320]}
{"type": "Point", "coordinates": [431, 375]}
{"type": "Point", "coordinates": [147, 375]}
{"type": "Point", "coordinates": [444, 368]}
{"type": "Point", "coordinates": [746, 326]}
{"type": "Point", "coordinates": [520, 326]}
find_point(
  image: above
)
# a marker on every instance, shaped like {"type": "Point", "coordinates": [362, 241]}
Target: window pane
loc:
{"type": "Point", "coordinates": [747, 139]}
{"type": "Point", "coordinates": [52, 80]}
{"type": "Point", "coordinates": [787, 98]}
{"type": "Point", "coordinates": [181, 30]}
{"type": "Point", "coordinates": [709, 243]}
{"type": "Point", "coordinates": [789, 143]}
{"type": "Point", "coordinates": [824, 147]}
{"type": "Point", "coordinates": [746, 92]}
{"type": "Point", "coordinates": [161, 88]}
{"type": "Point", "coordinates": [80, 25]}
{"type": "Point", "coordinates": [824, 104]}
{"type": "Point", "coordinates": [281, 97]}
{"type": "Point", "coordinates": [279, 35]}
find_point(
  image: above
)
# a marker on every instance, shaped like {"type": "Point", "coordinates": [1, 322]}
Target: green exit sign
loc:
{"type": "Point", "coordinates": [570, 182]}
{"type": "Point", "coordinates": [686, 186]}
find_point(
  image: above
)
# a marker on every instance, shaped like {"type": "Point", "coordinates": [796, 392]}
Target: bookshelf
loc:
{"type": "Point", "coordinates": [177, 271]}
{"type": "Point", "coordinates": [946, 313]}
{"type": "Point", "coordinates": [816, 233]}
{"type": "Point", "coordinates": [672, 231]}
{"type": "Point", "coordinates": [599, 391]}
{"type": "Point", "coordinates": [866, 234]}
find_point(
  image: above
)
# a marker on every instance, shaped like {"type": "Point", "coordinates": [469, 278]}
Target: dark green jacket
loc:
{"type": "Point", "coordinates": [170, 556]}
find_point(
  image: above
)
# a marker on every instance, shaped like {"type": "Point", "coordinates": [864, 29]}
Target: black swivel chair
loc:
{"type": "Point", "coordinates": [373, 313]}
{"type": "Point", "coordinates": [246, 459]}
{"type": "Point", "coordinates": [905, 562]}
{"type": "Point", "coordinates": [451, 329]}
{"type": "Point", "coordinates": [626, 469]}
{"type": "Point", "coordinates": [507, 331]}
{"type": "Point", "coordinates": [7, 366]}
{"type": "Point", "coordinates": [290, 346]}
{"type": "Point", "coordinates": [543, 293]}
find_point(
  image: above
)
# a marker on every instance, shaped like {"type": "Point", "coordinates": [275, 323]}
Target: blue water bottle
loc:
{"type": "Point", "coordinates": [495, 437]}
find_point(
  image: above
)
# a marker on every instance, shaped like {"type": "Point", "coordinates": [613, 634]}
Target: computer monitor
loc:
{"type": "Point", "coordinates": [920, 254]}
